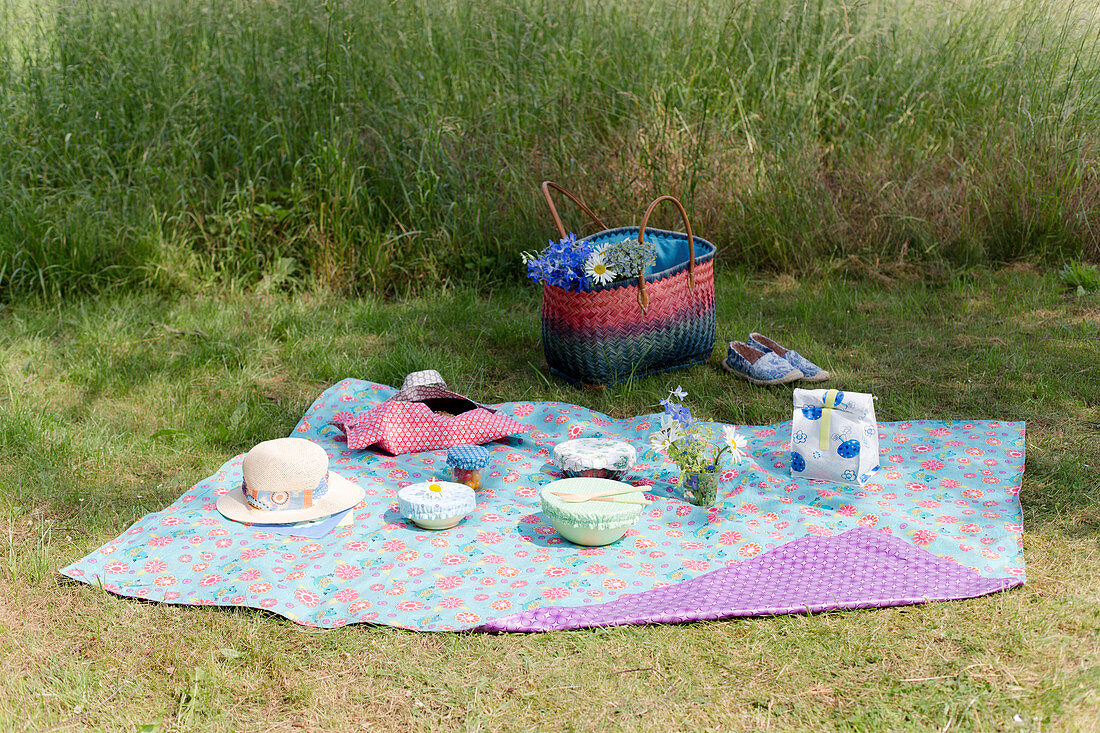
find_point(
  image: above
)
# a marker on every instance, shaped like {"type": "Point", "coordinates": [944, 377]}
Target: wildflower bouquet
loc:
{"type": "Point", "coordinates": [694, 448]}
{"type": "Point", "coordinates": [574, 265]}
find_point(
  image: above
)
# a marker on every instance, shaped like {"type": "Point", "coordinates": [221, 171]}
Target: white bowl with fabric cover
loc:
{"type": "Point", "coordinates": [436, 505]}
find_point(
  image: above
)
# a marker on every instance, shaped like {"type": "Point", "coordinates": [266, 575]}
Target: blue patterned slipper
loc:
{"type": "Point", "coordinates": [810, 372]}
{"type": "Point", "coordinates": [757, 366]}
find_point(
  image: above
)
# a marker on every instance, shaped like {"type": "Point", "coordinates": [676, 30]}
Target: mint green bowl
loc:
{"type": "Point", "coordinates": [590, 523]}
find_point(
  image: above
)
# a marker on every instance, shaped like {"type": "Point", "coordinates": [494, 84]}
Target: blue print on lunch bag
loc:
{"type": "Point", "coordinates": [798, 463]}
{"type": "Point", "coordinates": [812, 413]}
{"type": "Point", "coordinates": [848, 449]}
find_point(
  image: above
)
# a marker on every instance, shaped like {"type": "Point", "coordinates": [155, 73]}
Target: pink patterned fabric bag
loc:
{"type": "Point", "coordinates": [423, 418]}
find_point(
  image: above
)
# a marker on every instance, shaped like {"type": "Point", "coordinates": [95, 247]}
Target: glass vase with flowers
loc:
{"type": "Point", "coordinates": [695, 448]}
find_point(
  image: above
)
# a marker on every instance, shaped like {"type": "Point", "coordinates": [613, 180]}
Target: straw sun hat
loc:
{"type": "Point", "coordinates": [287, 480]}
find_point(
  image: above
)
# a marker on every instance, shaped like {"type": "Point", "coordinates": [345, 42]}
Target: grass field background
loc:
{"type": "Point", "coordinates": [112, 406]}
{"type": "Point", "coordinates": [391, 146]}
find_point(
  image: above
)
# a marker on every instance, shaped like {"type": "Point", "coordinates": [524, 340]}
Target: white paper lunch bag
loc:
{"type": "Point", "coordinates": [834, 436]}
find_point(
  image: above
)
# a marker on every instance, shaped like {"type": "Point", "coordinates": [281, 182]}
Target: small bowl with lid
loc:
{"type": "Point", "coordinates": [595, 458]}
{"type": "Point", "coordinates": [596, 522]}
{"type": "Point", "coordinates": [436, 505]}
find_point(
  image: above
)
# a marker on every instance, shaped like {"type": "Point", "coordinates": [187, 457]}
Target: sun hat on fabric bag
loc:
{"type": "Point", "coordinates": [424, 378]}
{"type": "Point", "coordinates": [287, 480]}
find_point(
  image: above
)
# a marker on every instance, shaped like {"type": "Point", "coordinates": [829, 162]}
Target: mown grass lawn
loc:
{"type": "Point", "coordinates": [111, 407]}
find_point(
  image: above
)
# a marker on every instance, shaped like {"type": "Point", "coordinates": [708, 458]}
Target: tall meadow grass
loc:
{"type": "Point", "coordinates": [375, 145]}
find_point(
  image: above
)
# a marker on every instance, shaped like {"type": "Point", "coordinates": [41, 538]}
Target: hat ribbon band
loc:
{"type": "Point", "coordinates": [276, 501]}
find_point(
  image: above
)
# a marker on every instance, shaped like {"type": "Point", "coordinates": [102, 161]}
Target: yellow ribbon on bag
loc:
{"type": "Point", "coordinates": [828, 404]}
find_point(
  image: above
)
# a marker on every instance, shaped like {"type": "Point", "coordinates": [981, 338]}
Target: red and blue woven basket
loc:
{"type": "Point", "coordinates": [632, 328]}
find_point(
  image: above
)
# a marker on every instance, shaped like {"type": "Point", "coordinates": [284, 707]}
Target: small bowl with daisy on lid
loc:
{"type": "Point", "coordinates": [436, 505]}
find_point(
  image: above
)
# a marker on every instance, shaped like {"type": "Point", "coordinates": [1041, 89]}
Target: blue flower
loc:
{"type": "Point", "coordinates": [561, 264]}
{"type": "Point", "coordinates": [679, 413]}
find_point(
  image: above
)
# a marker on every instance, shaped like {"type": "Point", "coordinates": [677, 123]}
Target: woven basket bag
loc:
{"type": "Point", "coordinates": [631, 328]}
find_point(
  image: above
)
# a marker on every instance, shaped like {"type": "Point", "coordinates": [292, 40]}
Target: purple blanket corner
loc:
{"type": "Point", "coordinates": [861, 568]}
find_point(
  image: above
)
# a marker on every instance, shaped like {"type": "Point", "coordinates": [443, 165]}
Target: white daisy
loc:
{"type": "Point", "coordinates": [597, 270]}
{"type": "Point", "coordinates": [666, 436]}
{"type": "Point", "coordinates": [734, 442]}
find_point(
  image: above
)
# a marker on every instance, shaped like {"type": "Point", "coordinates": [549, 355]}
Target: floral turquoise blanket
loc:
{"type": "Point", "coordinates": [942, 522]}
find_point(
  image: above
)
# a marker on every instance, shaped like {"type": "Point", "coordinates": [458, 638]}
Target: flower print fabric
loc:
{"type": "Point", "coordinates": [400, 427]}
{"type": "Point", "coordinates": [941, 519]}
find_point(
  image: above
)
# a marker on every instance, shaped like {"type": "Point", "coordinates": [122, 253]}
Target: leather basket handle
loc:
{"type": "Point", "coordinates": [546, 186]}
{"type": "Point", "coordinates": [643, 299]}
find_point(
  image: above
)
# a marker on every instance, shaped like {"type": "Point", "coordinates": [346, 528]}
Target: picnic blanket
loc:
{"type": "Point", "coordinates": [942, 522]}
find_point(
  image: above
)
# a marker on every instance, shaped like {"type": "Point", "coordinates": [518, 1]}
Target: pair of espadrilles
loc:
{"type": "Point", "coordinates": [763, 361]}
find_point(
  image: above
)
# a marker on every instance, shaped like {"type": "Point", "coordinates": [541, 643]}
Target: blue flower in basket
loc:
{"type": "Point", "coordinates": [581, 265]}
{"type": "Point", "coordinates": [561, 263]}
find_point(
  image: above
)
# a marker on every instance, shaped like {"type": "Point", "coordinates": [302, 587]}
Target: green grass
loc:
{"type": "Point", "coordinates": [112, 406]}
{"type": "Point", "coordinates": [392, 146]}
{"type": "Point", "coordinates": [1079, 275]}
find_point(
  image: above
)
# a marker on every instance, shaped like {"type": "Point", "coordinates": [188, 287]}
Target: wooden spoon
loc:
{"type": "Point", "coordinates": [621, 500]}
{"type": "Point", "coordinates": [574, 498]}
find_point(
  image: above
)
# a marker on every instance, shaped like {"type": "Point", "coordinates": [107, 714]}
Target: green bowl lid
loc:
{"type": "Point", "coordinates": [590, 514]}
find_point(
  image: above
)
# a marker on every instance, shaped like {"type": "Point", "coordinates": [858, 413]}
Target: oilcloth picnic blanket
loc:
{"type": "Point", "coordinates": [941, 521]}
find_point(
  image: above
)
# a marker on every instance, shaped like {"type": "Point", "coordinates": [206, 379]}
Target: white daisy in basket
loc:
{"type": "Point", "coordinates": [597, 270]}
